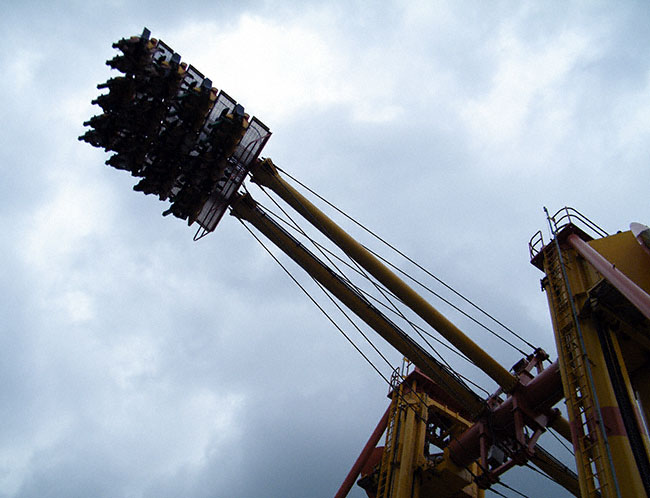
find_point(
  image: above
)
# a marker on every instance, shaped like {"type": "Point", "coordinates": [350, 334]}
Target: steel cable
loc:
{"type": "Point", "coordinates": [415, 263]}
{"type": "Point", "coordinates": [388, 308]}
{"type": "Point", "coordinates": [321, 248]}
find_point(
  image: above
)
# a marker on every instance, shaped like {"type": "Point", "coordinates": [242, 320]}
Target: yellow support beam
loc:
{"type": "Point", "coordinates": [245, 208]}
{"type": "Point", "coordinates": [559, 472]}
{"type": "Point", "coordinates": [411, 439]}
{"type": "Point", "coordinates": [265, 174]}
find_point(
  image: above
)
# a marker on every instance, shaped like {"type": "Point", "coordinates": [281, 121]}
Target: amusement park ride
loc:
{"type": "Point", "coordinates": [194, 146]}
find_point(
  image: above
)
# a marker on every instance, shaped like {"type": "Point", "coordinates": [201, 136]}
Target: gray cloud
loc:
{"type": "Point", "coordinates": [137, 363]}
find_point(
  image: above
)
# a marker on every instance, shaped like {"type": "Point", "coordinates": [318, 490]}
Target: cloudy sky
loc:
{"type": "Point", "coordinates": [138, 363]}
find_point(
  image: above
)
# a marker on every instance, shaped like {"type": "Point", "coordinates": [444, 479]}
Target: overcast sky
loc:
{"type": "Point", "coordinates": [137, 363]}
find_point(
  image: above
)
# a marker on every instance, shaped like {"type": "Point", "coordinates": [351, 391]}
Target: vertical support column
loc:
{"type": "Point", "coordinates": [622, 389]}
{"type": "Point", "coordinates": [411, 445]}
{"type": "Point", "coordinates": [404, 481]}
{"type": "Point", "coordinates": [622, 472]}
{"type": "Point", "coordinates": [626, 472]}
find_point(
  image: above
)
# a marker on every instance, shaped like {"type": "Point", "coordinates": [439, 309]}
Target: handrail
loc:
{"type": "Point", "coordinates": [568, 213]}
{"type": "Point", "coordinates": [535, 244]}
{"type": "Point", "coordinates": [562, 218]}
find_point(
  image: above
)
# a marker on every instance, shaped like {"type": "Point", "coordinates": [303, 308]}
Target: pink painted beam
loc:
{"type": "Point", "coordinates": [363, 457]}
{"type": "Point", "coordinates": [637, 296]}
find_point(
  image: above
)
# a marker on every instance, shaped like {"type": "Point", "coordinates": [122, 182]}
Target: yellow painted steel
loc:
{"type": "Point", "coordinates": [245, 208]}
{"type": "Point", "coordinates": [453, 481]}
{"type": "Point", "coordinates": [592, 464]}
{"type": "Point", "coordinates": [627, 255]}
{"type": "Point", "coordinates": [625, 252]}
{"type": "Point", "coordinates": [406, 472]}
{"type": "Point", "coordinates": [595, 473]}
{"type": "Point", "coordinates": [265, 173]}
{"type": "Point", "coordinates": [559, 472]}
{"type": "Point", "coordinates": [411, 447]}
{"type": "Point", "coordinates": [389, 454]}
{"type": "Point", "coordinates": [631, 392]}
{"type": "Point", "coordinates": [561, 426]}
{"type": "Point", "coordinates": [442, 478]}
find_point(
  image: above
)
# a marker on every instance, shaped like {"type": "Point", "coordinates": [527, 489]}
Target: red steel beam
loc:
{"type": "Point", "coordinates": [539, 396]}
{"type": "Point", "coordinates": [363, 457]}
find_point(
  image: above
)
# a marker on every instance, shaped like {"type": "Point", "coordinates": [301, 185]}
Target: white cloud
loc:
{"type": "Point", "coordinates": [284, 69]}
{"type": "Point", "coordinates": [20, 69]}
{"type": "Point", "coordinates": [632, 117]}
{"type": "Point", "coordinates": [59, 226]}
{"type": "Point", "coordinates": [527, 75]}
{"type": "Point", "coordinates": [16, 457]}
{"type": "Point", "coordinates": [131, 359]}
{"type": "Point", "coordinates": [76, 304]}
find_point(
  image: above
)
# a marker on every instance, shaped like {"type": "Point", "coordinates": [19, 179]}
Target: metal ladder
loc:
{"type": "Point", "coordinates": [591, 451]}
{"type": "Point", "coordinates": [392, 437]}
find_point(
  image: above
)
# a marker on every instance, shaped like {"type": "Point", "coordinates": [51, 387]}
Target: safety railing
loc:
{"type": "Point", "coordinates": [562, 218]}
